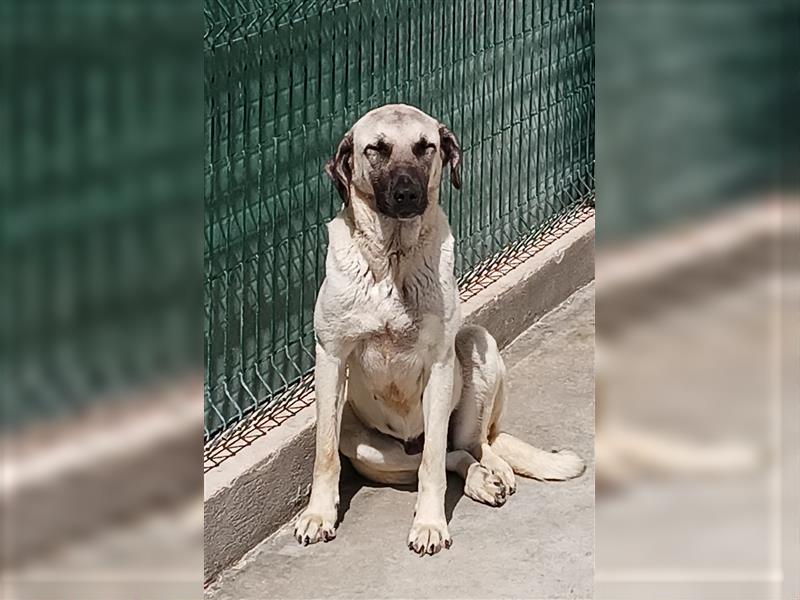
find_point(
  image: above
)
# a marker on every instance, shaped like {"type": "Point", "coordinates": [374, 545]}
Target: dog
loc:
{"type": "Point", "coordinates": [402, 389]}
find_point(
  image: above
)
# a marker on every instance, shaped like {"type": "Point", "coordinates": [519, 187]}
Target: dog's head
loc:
{"type": "Point", "coordinates": [394, 156]}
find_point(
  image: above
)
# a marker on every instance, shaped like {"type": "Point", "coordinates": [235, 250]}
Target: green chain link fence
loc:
{"type": "Point", "coordinates": [513, 79]}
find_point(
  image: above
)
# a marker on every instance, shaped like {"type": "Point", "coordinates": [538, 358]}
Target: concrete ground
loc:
{"type": "Point", "coordinates": [706, 370]}
{"type": "Point", "coordinates": [539, 545]}
{"type": "Point", "coordinates": [157, 555]}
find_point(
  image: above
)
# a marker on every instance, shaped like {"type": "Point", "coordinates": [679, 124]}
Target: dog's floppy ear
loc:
{"type": "Point", "coordinates": [451, 153]}
{"type": "Point", "coordinates": [340, 167]}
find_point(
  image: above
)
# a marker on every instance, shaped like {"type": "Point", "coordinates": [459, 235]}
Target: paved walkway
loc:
{"type": "Point", "coordinates": [706, 369]}
{"type": "Point", "coordinates": [539, 545]}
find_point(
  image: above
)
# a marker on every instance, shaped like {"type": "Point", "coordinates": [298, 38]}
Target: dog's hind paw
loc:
{"type": "Point", "coordinates": [312, 527]}
{"type": "Point", "coordinates": [484, 486]}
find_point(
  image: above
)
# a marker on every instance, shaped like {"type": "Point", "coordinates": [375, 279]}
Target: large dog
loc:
{"type": "Point", "coordinates": [392, 359]}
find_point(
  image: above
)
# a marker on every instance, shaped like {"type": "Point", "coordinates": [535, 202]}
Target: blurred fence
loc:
{"type": "Point", "coordinates": [99, 180]}
{"type": "Point", "coordinates": [284, 80]}
{"type": "Point", "coordinates": [697, 112]}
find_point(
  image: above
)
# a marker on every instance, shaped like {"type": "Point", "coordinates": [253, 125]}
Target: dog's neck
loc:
{"type": "Point", "coordinates": [390, 245]}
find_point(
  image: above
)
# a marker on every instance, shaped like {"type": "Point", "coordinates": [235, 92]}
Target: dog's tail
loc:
{"type": "Point", "coordinates": [533, 462]}
{"type": "Point", "coordinates": [525, 459]}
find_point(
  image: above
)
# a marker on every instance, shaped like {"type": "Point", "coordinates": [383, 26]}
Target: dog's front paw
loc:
{"type": "Point", "coordinates": [312, 527]}
{"type": "Point", "coordinates": [428, 538]}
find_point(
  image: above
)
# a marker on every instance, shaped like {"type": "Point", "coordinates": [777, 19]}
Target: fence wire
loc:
{"type": "Point", "coordinates": [283, 82]}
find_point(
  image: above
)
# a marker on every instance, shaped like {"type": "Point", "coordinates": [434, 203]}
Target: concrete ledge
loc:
{"type": "Point", "coordinates": [254, 493]}
{"type": "Point", "coordinates": [690, 260]}
{"type": "Point", "coordinates": [68, 479]}
{"type": "Point", "coordinates": [511, 304]}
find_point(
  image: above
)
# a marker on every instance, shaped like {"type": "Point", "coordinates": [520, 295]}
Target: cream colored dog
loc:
{"type": "Point", "coordinates": [392, 359]}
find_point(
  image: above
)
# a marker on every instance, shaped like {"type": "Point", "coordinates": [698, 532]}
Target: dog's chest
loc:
{"type": "Point", "coordinates": [392, 360]}
{"type": "Point", "coordinates": [396, 326]}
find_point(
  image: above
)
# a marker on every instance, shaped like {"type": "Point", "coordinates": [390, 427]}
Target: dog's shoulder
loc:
{"type": "Point", "coordinates": [338, 230]}
{"type": "Point", "coordinates": [345, 287]}
{"type": "Point", "coordinates": [444, 242]}
{"type": "Point", "coordinates": [441, 237]}
{"type": "Point", "coordinates": [340, 236]}
{"type": "Point", "coordinates": [343, 259]}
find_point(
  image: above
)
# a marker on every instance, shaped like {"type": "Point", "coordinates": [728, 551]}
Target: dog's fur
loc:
{"type": "Point", "coordinates": [392, 358]}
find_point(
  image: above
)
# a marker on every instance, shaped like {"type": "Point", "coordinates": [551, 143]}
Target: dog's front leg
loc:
{"type": "Point", "coordinates": [429, 530]}
{"type": "Point", "coordinates": [318, 521]}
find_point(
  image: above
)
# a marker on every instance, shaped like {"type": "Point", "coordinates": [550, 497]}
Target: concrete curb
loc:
{"type": "Point", "coordinates": [727, 247]}
{"type": "Point", "coordinates": [85, 474]}
{"type": "Point", "coordinates": [252, 494]}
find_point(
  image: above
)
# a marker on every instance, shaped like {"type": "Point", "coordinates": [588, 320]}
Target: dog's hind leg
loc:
{"type": "Point", "coordinates": [383, 459]}
{"type": "Point", "coordinates": [475, 424]}
{"type": "Point", "coordinates": [479, 409]}
{"type": "Point", "coordinates": [376, 456]}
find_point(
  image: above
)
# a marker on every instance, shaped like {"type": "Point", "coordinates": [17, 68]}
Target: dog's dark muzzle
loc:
{"type": "Point", "coordinates": [406, 197]}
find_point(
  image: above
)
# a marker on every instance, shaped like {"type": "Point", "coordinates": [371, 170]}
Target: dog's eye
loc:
{"type": "Point", "coordinates": [374, 153]}
{"type": "Point", "coordinates": [423, 148]}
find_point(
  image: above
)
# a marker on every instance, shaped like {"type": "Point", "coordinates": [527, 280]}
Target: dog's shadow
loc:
{"type": "Point", "coordinates": [351, 482]}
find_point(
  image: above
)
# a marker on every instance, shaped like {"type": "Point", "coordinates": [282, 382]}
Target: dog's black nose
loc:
{"type": "Point", "coordinates": [406, 190]}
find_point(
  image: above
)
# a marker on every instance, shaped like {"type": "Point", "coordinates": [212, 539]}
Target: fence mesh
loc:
{"type": "Point", "coordinates": [284, 80]}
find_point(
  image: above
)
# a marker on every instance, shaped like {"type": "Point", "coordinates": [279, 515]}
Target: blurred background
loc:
{"type": "Point", "coordinates": [101, 185]}
{"type": "Point", "coordinates": [697, 300]}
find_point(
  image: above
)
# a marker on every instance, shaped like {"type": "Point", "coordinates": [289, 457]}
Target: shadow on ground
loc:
{"type": "Point", "coordinates": [352, 483]}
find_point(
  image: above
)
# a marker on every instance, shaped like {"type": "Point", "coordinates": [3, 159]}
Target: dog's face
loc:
{"type": "Point", "coordinates": [393, 156]}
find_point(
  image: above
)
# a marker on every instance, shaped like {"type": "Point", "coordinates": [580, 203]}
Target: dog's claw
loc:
{"type": "Point", "coordinates": [313, 527]}
{"type": "Point", "coordinates": [428, 539]}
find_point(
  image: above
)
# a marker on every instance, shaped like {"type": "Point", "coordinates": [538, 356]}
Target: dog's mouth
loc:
{"type": "Point", "coordinates": [402, 214]}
